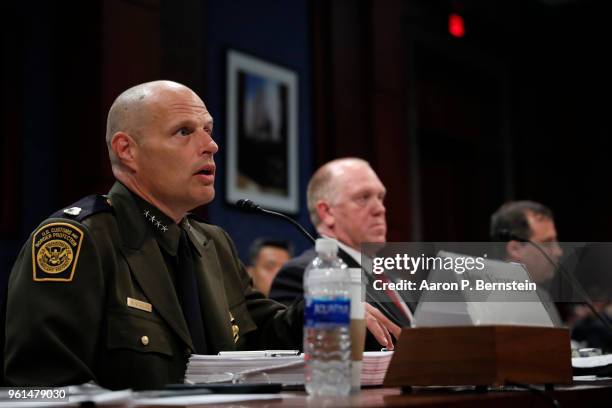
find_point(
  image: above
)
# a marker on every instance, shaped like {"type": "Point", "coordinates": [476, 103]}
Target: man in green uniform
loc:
{"type": "Point", "coordinates": [121, 289]}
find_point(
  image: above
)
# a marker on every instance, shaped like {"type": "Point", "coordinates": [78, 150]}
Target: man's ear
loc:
{"type": "Point", "coordinates": [124, 147]}
{"type": "Point", "coordinates": [514, 249]}
{"type": "Point", "coordinates": [324, 213]}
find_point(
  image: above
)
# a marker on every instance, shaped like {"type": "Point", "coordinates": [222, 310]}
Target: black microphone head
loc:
{"type": "Point", "coordinates": [247, 205]}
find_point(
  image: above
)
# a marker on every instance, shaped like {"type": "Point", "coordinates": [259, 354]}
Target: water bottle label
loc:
{"type": "Point", "coordinates": [327, 312]}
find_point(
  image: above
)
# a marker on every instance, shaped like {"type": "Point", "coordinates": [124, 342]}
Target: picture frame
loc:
{"type": "Point", "coordinates": [262, 133]}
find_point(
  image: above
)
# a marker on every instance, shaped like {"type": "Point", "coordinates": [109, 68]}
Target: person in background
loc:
{"type": "Point", "coordinates": [517, 221]}
{"type": "Point", "coordinates": [266, 257]}
{"type": "Point", "coordinates": [346, 202]}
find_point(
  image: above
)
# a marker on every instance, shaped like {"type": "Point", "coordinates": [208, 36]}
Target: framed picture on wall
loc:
{"type": "Point", "coordinates": [262, 135]}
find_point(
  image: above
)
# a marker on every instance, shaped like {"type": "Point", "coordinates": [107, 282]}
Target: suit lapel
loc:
{"type": "Point", "coordinates": [212, 295]}
{"type": "Point", "coordinates": [348, 260]}
{"type": "Point", "coordinates": [146, 261]}
{"type": "Point", "coordinates": [379, 299]}
{"type": "Point", "coordinates": [383, 302]}
{"type": "Point", "coordinates": [149, 269]}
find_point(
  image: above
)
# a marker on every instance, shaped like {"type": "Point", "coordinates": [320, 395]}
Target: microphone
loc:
{"type": "Point", "coordinates": [508, 235]}
{"type": "Point", "coordinates": [250, 207]}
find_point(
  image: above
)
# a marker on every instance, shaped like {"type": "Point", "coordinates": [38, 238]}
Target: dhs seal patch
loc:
{"type": "Point", "coordinates": [55, 252]}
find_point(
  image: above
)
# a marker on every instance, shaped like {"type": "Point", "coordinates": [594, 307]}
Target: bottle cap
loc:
{"type": "Point", "coordinates": [326, 246]}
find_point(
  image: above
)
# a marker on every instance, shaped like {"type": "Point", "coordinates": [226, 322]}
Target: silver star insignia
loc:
{"type": "Point", "coordinates": [146, 213]}
{"type": "Point", "coordinates": [152, 218]}
{"type": "Point", "coordinates": [164, 228]}
{"type": "Point", "coordinates": [158, 223]}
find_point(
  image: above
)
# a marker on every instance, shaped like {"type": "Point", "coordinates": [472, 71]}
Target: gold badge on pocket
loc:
{"type": "Point", "coordinates": [235, 328]}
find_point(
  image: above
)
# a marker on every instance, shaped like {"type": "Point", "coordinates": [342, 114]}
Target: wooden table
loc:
{"type": "Point", "coordinates": [574, 396]}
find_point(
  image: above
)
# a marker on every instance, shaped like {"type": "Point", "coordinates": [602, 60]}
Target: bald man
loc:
{"type": "Point", "coordinates": [120, 289]}
{"type": "Point", "coordinates": [346, 202]}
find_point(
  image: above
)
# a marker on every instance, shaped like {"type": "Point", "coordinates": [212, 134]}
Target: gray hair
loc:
{"type": "Point", "coordinates": [323, 185]}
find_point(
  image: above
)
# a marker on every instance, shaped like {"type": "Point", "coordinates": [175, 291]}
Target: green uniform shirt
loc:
{"type": "Point", "coordinates": [95, 300]}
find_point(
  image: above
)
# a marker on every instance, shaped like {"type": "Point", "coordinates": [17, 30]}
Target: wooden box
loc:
{"type": "Point", "coordinates": [480, 355]}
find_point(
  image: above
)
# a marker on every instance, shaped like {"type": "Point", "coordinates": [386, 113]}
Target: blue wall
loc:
{"type": "Point", "coordinates": [275, 31]}
{"type": "Point", "coordinates": [38, 138]}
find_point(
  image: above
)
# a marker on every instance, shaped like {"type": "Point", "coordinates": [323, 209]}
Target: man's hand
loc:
{"type": "Point", "coordinates": [381, 327]}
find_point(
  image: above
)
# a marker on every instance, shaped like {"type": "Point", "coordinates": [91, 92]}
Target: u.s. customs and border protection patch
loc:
{"type": "Point", "coordinates": [55, 252]}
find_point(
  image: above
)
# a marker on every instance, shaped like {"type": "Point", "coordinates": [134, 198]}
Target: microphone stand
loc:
{"type": "Point", "coordinates": [291, 220]}
{"type": "Point", "coordinates": [575, 284]}
{"type": "Point", "coordinates": [250, 206]}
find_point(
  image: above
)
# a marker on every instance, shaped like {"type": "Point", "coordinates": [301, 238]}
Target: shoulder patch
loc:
{"type": "Point", "coordinates": [55, 252]}
{"type": "Point", "coordinates": [84, 208]}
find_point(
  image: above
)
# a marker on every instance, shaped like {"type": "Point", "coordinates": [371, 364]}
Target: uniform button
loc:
{"type": "Point", "coordinates": [144, 340]}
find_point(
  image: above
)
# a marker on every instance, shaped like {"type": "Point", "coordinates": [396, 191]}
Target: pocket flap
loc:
{"type": "Point", "coordinates": [137, 333]}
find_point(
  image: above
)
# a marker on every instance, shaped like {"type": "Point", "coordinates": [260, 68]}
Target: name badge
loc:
{"type": "Point", "coordinates": [139, 304]}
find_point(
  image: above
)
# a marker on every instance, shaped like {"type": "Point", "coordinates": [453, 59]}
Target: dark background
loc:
{"type": "Point", "coordinates": [518, 108]}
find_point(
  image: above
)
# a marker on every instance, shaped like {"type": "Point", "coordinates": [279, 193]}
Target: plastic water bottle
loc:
{"type": "Point", "coordinates": [327, 343]}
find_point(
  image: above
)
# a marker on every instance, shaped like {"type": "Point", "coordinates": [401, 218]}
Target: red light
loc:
{"type": "Point", "coordinates": [455, 25]}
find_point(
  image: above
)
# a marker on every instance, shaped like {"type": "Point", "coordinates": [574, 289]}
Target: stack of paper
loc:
{"type": "Point", "coordinates": [250, 367]}
{"type": "Point", "coordinates": [594, 365]}
{"type": "Point", "coordinates": [374, 367]}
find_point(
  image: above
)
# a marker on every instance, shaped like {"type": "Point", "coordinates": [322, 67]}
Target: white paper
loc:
{"type": "Point", "coordinates": [206, 399]}
{"type": "Point", "coordinates": [593, 361]}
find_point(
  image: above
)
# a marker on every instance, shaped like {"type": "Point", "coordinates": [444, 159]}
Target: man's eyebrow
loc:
{"type": "Point", "coordinates": [191, 122]}
{"type": "Point", "coordinates": [184, 122]}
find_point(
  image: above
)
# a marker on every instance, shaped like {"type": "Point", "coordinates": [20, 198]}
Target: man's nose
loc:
{"type": "Point", "coordinates": [213, 147]}
{"type": "Point", "coordinates": [208, 145]}
{"type": "Point", "coordinates": [378, 207]}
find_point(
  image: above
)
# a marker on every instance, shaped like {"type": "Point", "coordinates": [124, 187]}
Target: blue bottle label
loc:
{"type": "Point", "coordinates": [325, 313]}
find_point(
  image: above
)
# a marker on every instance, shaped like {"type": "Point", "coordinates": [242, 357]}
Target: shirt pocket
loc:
{"type": "Point", "coordinates": [137, 333]}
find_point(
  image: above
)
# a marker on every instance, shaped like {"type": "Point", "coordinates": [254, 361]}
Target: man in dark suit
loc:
{"type": "Point", "coordinates": [346, 202]}
{"type": "Point", "coordinates": [121, 289]}
{"type": "Point", "coordinates": [516, 221]}
{"type": "Point", "coordinates": [533, 221]}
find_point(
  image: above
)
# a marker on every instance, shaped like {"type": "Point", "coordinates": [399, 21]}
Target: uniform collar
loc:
{"type": "Point", "coordinates": [138, 218]}
{"type": "Point", "coordinates": [166, 232]}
